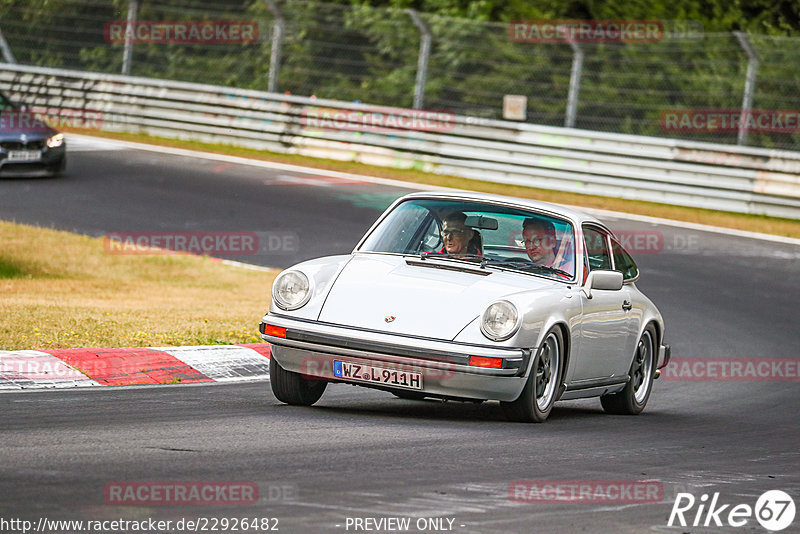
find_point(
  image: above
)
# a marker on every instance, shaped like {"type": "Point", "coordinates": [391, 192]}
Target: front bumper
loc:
{"type": "Point", "coordinates": [310, 348]}
{"type": "Point", "coordinates": [51, 161]}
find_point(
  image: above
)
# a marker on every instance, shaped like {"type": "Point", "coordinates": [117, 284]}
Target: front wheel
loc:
{"type": "Point", "coordinates": [537, 398]}
{"type": "Point", "coordinates": [633, 398]}
{"type": "Point", "coordinates": [291, 388]}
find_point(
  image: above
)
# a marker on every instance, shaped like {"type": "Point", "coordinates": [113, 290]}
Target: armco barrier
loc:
{"type": "Point", "coordinates": [732, 178]}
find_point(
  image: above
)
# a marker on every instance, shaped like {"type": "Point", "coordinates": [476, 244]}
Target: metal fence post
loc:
{"type": "Point", "coordinates": [574, 84]}
{"type": "Point", "coordinates": [422, 60]}
{"type": "Point", "coordinates": [7, 55]}
{"type": "Point", "coordinates": [275, 52]}
{"type": "Point", "coordinates": [749, 85]}
{"type": "Point", "coordinates": [127, 53]}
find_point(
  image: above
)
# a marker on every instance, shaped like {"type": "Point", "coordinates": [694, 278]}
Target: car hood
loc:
{"type": "Point", "coordinates": [387, 294]}
{"type": "Point", "coordinates": [24, 126]}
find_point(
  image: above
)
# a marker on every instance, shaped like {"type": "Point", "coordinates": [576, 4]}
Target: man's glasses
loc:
{"type": "Point", "coordinates": [534, 242]}
{"type": "Point", "coordinates": [453, 233]}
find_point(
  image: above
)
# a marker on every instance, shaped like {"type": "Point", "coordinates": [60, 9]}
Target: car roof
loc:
{"type": "Point", "coordinates": [574, 215]}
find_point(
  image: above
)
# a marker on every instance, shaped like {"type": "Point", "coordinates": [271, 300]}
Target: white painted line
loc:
{"type": "Point", "coordinates": [689, 226]}
{"type": "Point", "coordinates": [82, 143]}
{"type": "Point", "coordinates": [32, 369]}
{"type": "Point", "coordinates": [299, 180]}
{"type": "Point", "coordinates": [272, 165]}
{"type": "Point", "coordinates": [222, 363]}
{"type": "Point", "coordinates": [425, 187]}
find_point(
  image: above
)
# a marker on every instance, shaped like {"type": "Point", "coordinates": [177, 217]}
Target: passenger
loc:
{"type": "Point", "coordinates": [458, 238]}
{"type": "Point", "coordinates": [539, 238]}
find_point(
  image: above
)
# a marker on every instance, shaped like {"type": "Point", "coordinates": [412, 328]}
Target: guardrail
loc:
{"type": "Point", "coordinates": [713, 176]}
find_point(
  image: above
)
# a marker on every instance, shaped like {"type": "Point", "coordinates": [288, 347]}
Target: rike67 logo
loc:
{"type": "Point", "coordinates": [774, 510]}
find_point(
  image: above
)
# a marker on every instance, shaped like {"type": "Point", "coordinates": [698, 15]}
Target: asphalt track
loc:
{"type": "Point", "coordinates": [360, 453]}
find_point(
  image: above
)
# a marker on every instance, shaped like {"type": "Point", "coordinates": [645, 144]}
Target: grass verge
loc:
{"type": "Point", "coordinates": [752, 223]}
{"type": "Point", "coordinates": [61, 290]}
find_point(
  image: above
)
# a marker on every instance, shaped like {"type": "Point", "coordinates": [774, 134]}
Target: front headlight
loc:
{"type": "Point", "coordinates": [55, 141]}
{"type": "Point", "coordinates": [291, 290]}
{"type": "Point", "coordinates": [500, 320]}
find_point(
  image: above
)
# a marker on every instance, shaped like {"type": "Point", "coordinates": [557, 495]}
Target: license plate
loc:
{"type": "Point", "coordinates": [377, 375]}
{"type": "Point", "coordinates": [24, 155]}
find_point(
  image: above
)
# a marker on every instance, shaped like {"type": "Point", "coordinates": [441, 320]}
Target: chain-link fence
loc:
{"type": "Point", "coordinates": [401, 58]}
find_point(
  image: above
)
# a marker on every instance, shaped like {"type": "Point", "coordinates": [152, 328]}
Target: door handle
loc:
{"type": "Point", "coordinates": [626, 305]}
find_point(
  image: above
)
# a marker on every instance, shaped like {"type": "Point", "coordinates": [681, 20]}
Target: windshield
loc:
{"type": "Point", "coordinates": [488, 234]}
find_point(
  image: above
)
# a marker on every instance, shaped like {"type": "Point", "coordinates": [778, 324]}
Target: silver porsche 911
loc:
{"type": "Point", "coordinates": [472, 297]}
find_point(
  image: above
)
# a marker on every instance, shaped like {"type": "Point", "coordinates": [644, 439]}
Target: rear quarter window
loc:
{"type": "Point", "coordinates": [623, 261]}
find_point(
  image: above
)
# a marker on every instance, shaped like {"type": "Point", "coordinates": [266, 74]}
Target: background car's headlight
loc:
{"type": "Point", "coordinates": [500, 320]}
{"type": "Point", "coordinates": [291, 290]}
{"type": "Point", "coordinates": [55, 141]}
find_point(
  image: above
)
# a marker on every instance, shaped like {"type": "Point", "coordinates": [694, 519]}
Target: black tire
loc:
{"type": "Point", "coordinates": [291, 388]}
{"type": "Point", "coordinates": [633, 398]}
{"type": "Point", "coordinates": [539, 395]}
{"type": "Point", "coordinates": [408, 395]}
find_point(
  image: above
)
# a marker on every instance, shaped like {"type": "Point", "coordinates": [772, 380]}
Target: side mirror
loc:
{"type": "Point", "coordinates": [605, 280]}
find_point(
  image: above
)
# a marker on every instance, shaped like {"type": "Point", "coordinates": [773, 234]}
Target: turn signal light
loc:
{"type": "Point", "coordinates": [275, 331]}
{"type": "Point", "coordinates": [481, 361]}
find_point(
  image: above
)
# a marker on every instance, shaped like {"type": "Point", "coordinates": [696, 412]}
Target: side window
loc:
{"type": "Point", "coordinates": [623, 261]}
{"type": "Point", "coordinates": [431, 240]}
{"type": "Point", "coordinates": [596, 249]}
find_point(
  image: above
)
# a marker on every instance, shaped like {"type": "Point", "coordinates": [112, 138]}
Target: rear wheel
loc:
{"type": "Point", "coordinates": [291, 388]}
{"type": "Point", "coordinates": [539, 395]}
{"type": "Point", "coordinates": [633, 398]}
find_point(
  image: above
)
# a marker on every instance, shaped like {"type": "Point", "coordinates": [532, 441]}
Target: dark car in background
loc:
{"type": "Point", "coordinates": [28, 145]}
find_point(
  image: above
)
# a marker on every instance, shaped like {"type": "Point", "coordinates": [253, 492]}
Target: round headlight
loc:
{"type": "Point", "coordinates": [500, 320]}
{"type": "Point", "coordinates": [291, 290]}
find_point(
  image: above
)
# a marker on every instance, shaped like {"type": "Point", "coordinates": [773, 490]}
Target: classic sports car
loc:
{"type": "Point", "coordinates": [469, 296]}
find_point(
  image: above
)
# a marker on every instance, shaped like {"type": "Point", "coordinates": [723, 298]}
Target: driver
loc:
{"type": "Point", "coordinates": [457, 237]}
{"type": "Point", "coordinates": [539, 238]}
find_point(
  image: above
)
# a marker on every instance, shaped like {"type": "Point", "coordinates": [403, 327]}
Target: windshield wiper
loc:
{"type": "Point", "coordinates": [448, 256]}
{"type": "Point", "coordinates": [550, 269]}
{"type": "Point", "coordinates": [524, 265]}
{"type": "Point", "coordinates": [456, 264]}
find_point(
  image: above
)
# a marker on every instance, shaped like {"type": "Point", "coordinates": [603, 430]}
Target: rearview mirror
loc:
{"type": "Point", "coordinates": [481, 222]}
{"type": "Point", "coordinates": [604, 280]}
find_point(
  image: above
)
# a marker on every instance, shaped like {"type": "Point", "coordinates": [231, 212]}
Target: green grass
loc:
{"type": "Point", "coordinates": [82, 296]}
{"type": "Point", "coordinates": [9, 269]}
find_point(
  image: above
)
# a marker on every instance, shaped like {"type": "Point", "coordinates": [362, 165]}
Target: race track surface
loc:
{"type": "Point", "coordinates": [365, 454]}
